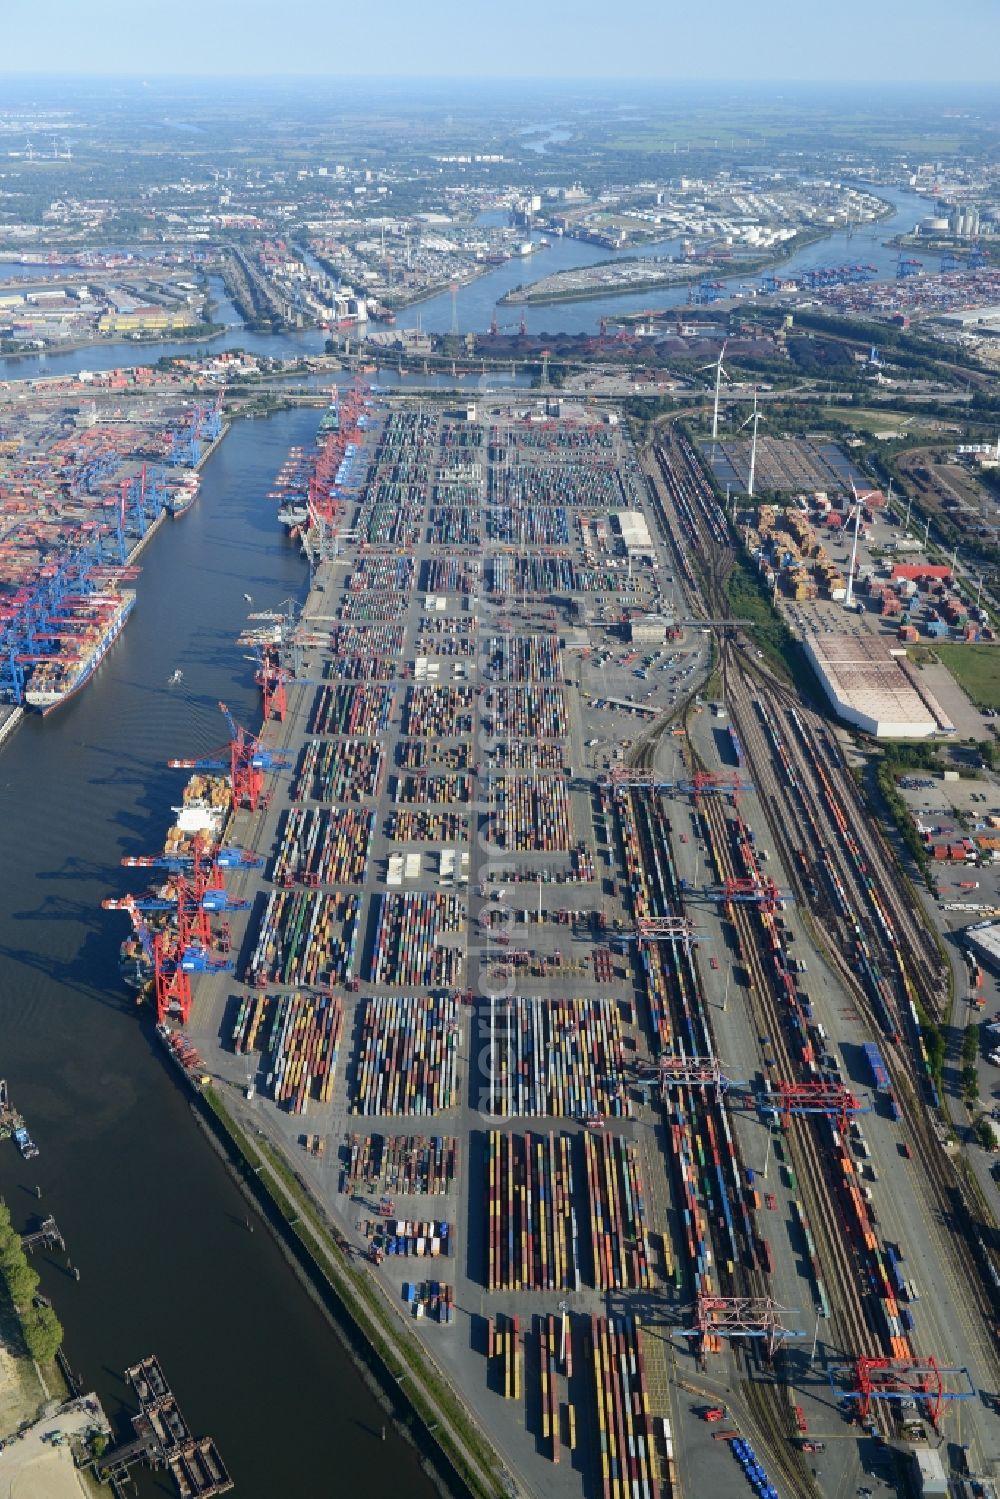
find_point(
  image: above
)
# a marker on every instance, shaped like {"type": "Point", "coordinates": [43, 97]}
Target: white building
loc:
{"type": "Point", "coordinates": [871, 685]}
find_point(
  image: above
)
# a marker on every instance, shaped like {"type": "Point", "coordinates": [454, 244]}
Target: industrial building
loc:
{"type": "Point", "coordinates": [929, 1472]}
{"type": "Point", "coordinates": [984, 940]}
{"type": "Point", "coordinates": [871, 685]}
{"type": "Point", "coordinates": [648, 629]}
{"type": "Point", "coordinates": [634, 532]}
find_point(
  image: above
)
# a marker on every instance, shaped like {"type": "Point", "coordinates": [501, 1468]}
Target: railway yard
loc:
{"type": "Point", "coordinates": [613, 1006]}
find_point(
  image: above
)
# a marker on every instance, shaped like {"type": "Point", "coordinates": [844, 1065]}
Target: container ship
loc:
{"type": "Point", "coordinates": [204, 813]}
{"type": "Point", "coordinates": [180, 499]}
{"type": "Point", "coordinates": [330, 420]}
{"type": "Point", "coordinates": [54, 680]}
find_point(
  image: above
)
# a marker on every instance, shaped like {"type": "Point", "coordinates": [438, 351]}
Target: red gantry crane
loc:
{"type": "Point", "coordinates": [249, 761]}
{"type": "Point", "coordinates": [173, 953]}
{"type": "Point", "coordinates": [926, 1380]}
{"type": "Point", "coordinates": [194, 893]}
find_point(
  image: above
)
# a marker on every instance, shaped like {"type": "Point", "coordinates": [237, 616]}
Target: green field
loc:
{"type": "Point", "coordinates": [864, 419]}
{"type": "Point", "coordinates": [977, 669]}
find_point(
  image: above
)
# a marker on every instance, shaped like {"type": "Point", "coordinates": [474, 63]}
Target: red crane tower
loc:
{"type": "Point", "coordinates": [739, 1317]}
{"type": "Point", "coordinates": [869, 1379]}
{"type": "Point", "coordinates": [248, 763]}
{"type": "Point", "coordinates": [173, 955]}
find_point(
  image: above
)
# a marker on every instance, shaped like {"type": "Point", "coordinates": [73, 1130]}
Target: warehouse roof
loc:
{"type": "Point", "coordinates": [634, 530]}
{"type": "Point", "coordinates": [985, 940]}
{"type": "Point", "coordinates": [912, 571]}
{"type": "Point", "coordinates": [872, 685]}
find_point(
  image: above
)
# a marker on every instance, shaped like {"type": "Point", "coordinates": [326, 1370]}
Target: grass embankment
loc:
{"type": "Point", "coordinates": [899, 812]}
{"type": "Point", "coordinates": [977, 670]}
{"type": "Point", "coordinates": [769, 632]}
{"type": "Point", "coordinates": [432, 1399]}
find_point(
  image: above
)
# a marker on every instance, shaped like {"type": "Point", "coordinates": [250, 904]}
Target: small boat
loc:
{"type": "Point", "coordinates": [25, 1143]}
{"type": "Point", "coordinates": [177, 676]}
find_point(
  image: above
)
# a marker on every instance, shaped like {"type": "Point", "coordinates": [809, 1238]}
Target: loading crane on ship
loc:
{"type": "Point", "coordinates": [249, 761]}
{"type": "Point", "coordinates": [196, 885]}
{"type": "Point", "coordinates": [173, 956]}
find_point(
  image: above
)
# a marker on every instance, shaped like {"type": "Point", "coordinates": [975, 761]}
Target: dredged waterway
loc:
{"type": "Point", "coordinates": [150, 1214]}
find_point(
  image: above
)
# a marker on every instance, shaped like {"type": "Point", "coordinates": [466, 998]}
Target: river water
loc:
{"type": "Point", "coordinates": [478, 300]}
{"type": "Point", "coordinates": [149, 1212]}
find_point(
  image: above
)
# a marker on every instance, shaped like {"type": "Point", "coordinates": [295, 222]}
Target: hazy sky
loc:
{"type": "Point", "coordinates": [766, 39]}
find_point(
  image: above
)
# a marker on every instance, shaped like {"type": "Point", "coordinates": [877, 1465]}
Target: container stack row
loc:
{"type": "Point", "coordinates": [623, 1421]}
{"type": "Point", "coordinates": [359, 709]}
{"type": "Point", "coordinates": [617, 1214]}
{"type": "Point", "coordinates": [533, 1243]}
{"type": "Point", "coordinates": [561, 1057]}
{"type": "Point", "coordinates": [407, 1057]}
{"type": "Point", "coordinates": [306, 939]}
{"type": "Point", "coordinates": [407, 951]}
{"type": "Point", "coordinates": [349, 770]}
{"type": "Point", "coordinates": [530, 814]}
{"type": "Point", "coordinates": [320, 847]}
{"type": "Point", "coordinates": [413, 1165]}
{"type": "Point", "coordinates": [300, 1035]}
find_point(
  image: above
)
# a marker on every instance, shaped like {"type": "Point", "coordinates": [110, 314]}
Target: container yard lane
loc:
{"type": "Point", "coordinates": [508, 921]}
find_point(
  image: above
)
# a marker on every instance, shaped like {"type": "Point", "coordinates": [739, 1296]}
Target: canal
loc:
{"type": "Point", "coordinates": [150, 1213]}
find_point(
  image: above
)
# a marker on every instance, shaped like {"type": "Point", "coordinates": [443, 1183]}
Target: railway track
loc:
{"type": "Point", "coordinates": [679, 1023]}
{"type": "Point", "coordinates": [905, 948]}
{"type": "Point", "coordinates": [851, 1323]}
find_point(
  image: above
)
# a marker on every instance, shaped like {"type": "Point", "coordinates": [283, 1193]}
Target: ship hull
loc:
{"type": "Point", "coordinates": [46, 702]}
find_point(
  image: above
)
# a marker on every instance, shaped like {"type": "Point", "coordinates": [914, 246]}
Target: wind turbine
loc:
{"type": "Point", "coordinates": [849, 596]}
{"type": "Point", "coordinates": [719, 372]}
{"type": "Point", "coordinates": [755, 418]}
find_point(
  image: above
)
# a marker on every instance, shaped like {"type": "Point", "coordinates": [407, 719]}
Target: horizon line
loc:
{"type": "Point", "coordinates": [603, 79]}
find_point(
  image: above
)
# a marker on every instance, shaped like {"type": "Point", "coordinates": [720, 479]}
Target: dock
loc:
{"type": "Point", "coordinates": [46, 1236]}
{"type": "Point", "coordinates": [163, 1440]}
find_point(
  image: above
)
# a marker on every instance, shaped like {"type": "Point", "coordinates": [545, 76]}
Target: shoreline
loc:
{"type": "Point", "coordinates": [74, 346]}
{"type": "Point", "coordinates": [19, 712]}
{"type": "Point", "coordinates": [316, 1253]}
{"type": "Point", "coordinates": [722, 271]}
{"type": "Point", "coordinates": [801, 241]}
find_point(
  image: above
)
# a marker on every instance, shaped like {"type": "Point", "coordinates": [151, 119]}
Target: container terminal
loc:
{"type": "Point", "coordinates": [82, 489]}
{"type": "Point", "coordinates": [508, 945]}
